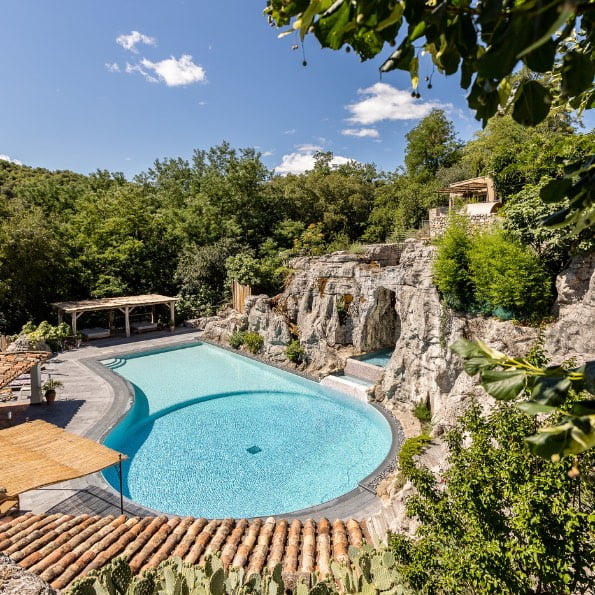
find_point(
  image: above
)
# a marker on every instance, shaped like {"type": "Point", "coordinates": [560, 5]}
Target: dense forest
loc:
{"type": "Point", "coordinates": [186, 227]}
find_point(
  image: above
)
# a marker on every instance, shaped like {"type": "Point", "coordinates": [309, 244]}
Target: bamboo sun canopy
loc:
{"type": "Point", "coordinates": [37, 454]}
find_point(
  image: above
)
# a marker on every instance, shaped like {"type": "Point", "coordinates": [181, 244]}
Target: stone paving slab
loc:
{"type": "Point", "coordinates": [92, 402]}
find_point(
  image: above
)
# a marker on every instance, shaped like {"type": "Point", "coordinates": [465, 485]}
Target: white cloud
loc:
{"type": "Point", "coordinates": [174, 72]}
{"type": "Point", "coordinates": [303, 160]}
{"type": "Point", "coordinates": [267, 153]}
{"type": "Point", "coordinates": [384, 102]}
{"type": "Point", "coordinates": [10, 160]}
{"type": "Point", "coordinates": [361, 132]}
{"type": "Point", "coordinates": [132, 68]}
{"type": "Point", "coordinates": [290, 131]}
{"type": "Point", "coordinates": [202, 103]}
{"type": "Point", "coordinates": [113, 67]}
{"type": "Point", "coordinates": [128, 42]}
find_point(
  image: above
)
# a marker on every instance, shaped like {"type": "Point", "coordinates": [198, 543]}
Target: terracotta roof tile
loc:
{"type": "Point", "coordinates": [13, 364]}
{"type": "Point", "coordinates": [61, 548]}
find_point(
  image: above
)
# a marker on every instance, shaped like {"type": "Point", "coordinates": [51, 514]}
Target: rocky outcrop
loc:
{"type": "Point", "coordinates": [15, 580]}
{"type": "Point", "coordinates": [343, 304]}
{"type": "Point", "coordinates": [573, 333]}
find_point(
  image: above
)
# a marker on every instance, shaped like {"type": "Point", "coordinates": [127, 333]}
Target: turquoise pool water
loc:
{"type": "Point", "coordinates": [377, 358]}
{"type": "Point", "coordinates": [215, 434]}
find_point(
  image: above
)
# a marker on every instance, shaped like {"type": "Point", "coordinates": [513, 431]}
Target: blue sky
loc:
{"type": "Point", "coordinates": [116, 84]}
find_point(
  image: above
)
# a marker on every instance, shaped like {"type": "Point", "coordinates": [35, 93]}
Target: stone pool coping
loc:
{"type": "Point", "coordinates": [93, 494]}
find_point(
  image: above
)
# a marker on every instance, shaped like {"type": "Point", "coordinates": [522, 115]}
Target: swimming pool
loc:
{"type": "Point", "coordinates": [214, 434]}
{"type": "Point", "coordinates": [377, 358]}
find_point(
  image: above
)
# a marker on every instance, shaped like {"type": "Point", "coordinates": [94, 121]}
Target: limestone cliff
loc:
{"type": "Point", "coordinates": [344, 304]}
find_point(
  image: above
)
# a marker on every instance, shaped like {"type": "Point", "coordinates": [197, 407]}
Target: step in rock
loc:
{"type": "Point", "coordinates": [360, 369]}
{"type": "Point", "coordinates": [354, 387]}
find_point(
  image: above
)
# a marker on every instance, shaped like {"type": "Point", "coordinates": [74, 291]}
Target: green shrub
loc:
{"type": "Point", "coordinates": [253, 342]}
{"type": "Point", "coordinates": [294, 352]}
{"type": "Point", "coordinates": [422, 412]}
{"type": "Point", "coordinates": [490, 272]}
{"type": "Point", "coordinates": [451, 267]}
{"type": "Point", "coordinates": [498, 519]}
{"type": "Point", "coordinates": [409, 449]}
{"type": "Point", "coordinates": [54, 336]}
{"type": "Point", "coordinates": [508, 276]}
{"type": "Point", "coordinates": [236, 339]}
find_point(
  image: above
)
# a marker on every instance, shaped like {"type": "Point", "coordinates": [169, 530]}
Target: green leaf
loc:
{"type": "Point", "coordinates": [575, 435]}
{"type": "Point", "coordinates": [531, 104]}
{"type": "Point", "coordinates": [400, 59]}
{"type": "Point", "coordinates": [533, 408]}
{"type": "Point", "coordinates": [586, 407]}
{"type": "Point", "coordinates": [394, 17]}
{"type": "Point", "coordinates": [306, 19]}
{"type": "Point", "coordinates": [330, 29]}
{"type": "Point", "coordinates": [503, 385]}
{"type": "Point", "coordinates": [578, 71]}
{"type": "Point", "coordinates": [466, 348]}
{"type": "Point", "coordinates": [550, 390]}
{"type": "Point", "coordinates": [564, 16]}
{"type": "Point", "coordinates": [417, 31]}
{"type": "Point", "coordinates": [555, 190]}
{"type": "Point", "coordinates": [542, 58]}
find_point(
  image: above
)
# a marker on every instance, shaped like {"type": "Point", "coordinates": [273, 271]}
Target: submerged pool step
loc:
{"type": "Point", "coordinates": [117, 362]}
{"type": "Point", "coordinates": [363, 370]}
{"type": "Point", "coordinates": [349, 385]}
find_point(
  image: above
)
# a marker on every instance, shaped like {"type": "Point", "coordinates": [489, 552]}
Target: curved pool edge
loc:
{"type": "Point", "coordinates": [345, 506]}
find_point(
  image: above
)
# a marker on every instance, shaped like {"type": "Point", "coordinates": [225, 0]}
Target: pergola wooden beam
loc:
{"type": "Point", "coordinates": [125, 304]}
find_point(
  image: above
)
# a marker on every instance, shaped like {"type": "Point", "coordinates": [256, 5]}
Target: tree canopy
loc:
{"type": "Point", "coordinates": [485, 42]}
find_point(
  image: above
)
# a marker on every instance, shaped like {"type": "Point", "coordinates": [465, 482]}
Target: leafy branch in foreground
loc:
{"type": "Point", "coordinates": [507, 378]}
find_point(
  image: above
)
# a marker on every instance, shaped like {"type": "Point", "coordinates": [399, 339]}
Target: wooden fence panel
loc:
{"type": "Point", "coordinates": [239, 293]}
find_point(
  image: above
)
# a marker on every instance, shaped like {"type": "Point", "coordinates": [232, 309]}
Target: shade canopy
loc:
{"type": "Point", "coordinates": [37, 454]}
{"type": "Point", "coordinates": [113, 303]}
{"type": "Point", "coordinates": [12, 365]}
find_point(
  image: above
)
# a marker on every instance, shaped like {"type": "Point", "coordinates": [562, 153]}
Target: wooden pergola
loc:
{"type": "Point", "coordinates": [124, 304]}
{"type": "Point", "coordinates": [36, 454]}
{"type": "Point", "coordinates": [12, 365]}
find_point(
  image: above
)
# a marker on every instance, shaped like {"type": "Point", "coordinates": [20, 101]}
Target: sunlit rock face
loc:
{"type": "Point", "coordinates": [573, 334]}
{"type": "Point", "coordinates": [345, 304]}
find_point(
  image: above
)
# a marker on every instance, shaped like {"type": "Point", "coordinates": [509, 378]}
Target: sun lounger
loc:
{"type": "Point", "coordinates": [95, 333]}
{"type": "Point", "coordinates": [145, 325]}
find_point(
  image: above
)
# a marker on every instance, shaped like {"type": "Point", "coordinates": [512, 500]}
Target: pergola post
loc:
{"type": "Point", "coordinates": [127, 320]}
{"type": "Point", "coordinates": [172, 314]}
{"type": "Point", "coordinates": [36, 396]}
{"type": "Point", "coordinates": [75, 316]}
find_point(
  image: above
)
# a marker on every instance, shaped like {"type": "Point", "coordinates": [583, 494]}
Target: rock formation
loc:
{"type": "Point", "coordinates": [15, 580]}
{"type": "Point", "coordinates": [344, 304]}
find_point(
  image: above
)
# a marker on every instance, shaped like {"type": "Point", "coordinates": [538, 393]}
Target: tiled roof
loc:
{"type": "Point", "coordinates": [12, 365]}
{"type": "Point", "coordinates": [61, 548]}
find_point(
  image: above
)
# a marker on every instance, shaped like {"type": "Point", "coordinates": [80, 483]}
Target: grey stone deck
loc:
{"type": "Point", "coordinates": [92, 402]}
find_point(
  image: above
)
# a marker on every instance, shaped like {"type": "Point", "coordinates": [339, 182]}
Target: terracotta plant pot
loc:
{"type": "Point", "coordinates": [50, 396]}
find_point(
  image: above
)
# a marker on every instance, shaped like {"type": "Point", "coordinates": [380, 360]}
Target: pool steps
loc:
{"type": "Point", "coordinates": [349, 385]}
{"type": "Point", "coordinates": [358, 379]}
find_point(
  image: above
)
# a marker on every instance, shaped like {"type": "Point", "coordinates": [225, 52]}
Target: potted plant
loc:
{"type": "Point", "coordinates": [172, 325]}
{"type": "Point", "coordinates": [49, 388]}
